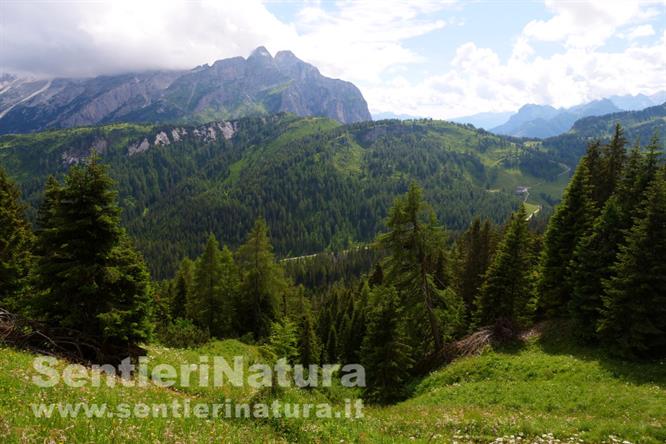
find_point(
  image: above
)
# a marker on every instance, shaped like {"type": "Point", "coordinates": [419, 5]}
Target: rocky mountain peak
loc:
{"type": "Point", "coordinates": [230, 88]}
{"type": "Point", "coordinates": [294, 67]}
{"type": "Point", "coordinates": [286, 56]}
{"type": "Point", "coordinates": [260, 53]}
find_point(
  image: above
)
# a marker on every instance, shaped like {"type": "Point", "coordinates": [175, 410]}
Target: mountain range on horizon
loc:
{"type": "Point", "coordinates": [229, 88]}
{"type": "Point", "coordinates": [542, 121]}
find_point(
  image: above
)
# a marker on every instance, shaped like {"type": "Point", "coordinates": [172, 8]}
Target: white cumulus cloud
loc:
{"type": "Point", "coordinates": [368, 42]}
{"type": "Point", "coordinates": [580, 70]}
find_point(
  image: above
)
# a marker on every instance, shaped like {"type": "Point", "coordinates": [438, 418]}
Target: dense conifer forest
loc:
{"type": "Point", "coordinates": [320, 186]}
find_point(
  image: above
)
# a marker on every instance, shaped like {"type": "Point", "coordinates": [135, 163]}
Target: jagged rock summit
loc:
{"type": "Point", "coordinates": [227, 89]}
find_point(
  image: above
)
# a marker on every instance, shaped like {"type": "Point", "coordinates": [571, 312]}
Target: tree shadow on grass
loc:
{"type": "Point", "coordinates": [559, 338]}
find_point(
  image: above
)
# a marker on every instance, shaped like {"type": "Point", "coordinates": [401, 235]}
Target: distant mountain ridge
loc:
{"type": "Point", "coordinates": [230, 88]}
{"type": "Point", "coordinates": [546, 121]}
{"type": "Point", "coordinates": [391, 116]}
{"type": "Point", "coordinates": [485, 120]}
{"type": "Point", "coordinates": [638, 126]}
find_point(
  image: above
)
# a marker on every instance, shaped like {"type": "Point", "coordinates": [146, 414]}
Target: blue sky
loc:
{"type": "Point", "coordinates": [494, 24]}
{"type": "Point", "coordinates": [550, 52]}
{"type": "Point", "coordinates": [429, 58]}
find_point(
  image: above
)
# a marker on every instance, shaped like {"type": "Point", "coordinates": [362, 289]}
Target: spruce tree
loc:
{"type": "Point", "coordinates": [126, 318]}
{"type": "Point", "coordinates": [614, 158]}
{"type": "Point", "coordinates": [262, 283]}
{"type": "Point", "coordinates": [572, 221]}
{"type": "Point", "coordinates": [183, 288]}
{"type": "Point", "coordinates": [639, 172]}
{"type": "Point", "coordinates": [377, 275]}
{"type": "Point", "coordinates": [16, 241]}
{"type": "Point", "coordinates": [89, 276]}
{"type": "Point", "coordinates": [308, 343]}
{"type": "Point", "coordinates": [633, 319]}
{"type": "Point", "coordinates": [385, 353]}
{"type": "Point", "coordinates": [474, 252]}
{"type": "Point", "coordinates": [332, 345]}
{"type": "Point", "coordinates": [46, 214]}
{"type": "Point", "coordinates": [653, 159]}
{"type": "Point", "coordinates": [507, 293]}
{"type": "Point", "coordinates": [592, 262]}
{"type": "Point", "coordinates": [357, 324]}
{"type": "Point", "coordinates": [595, 167]}
{"type": "Point", "coordinates": [283, 340]}
{"type": "Point", "coordinates": [596, 253]}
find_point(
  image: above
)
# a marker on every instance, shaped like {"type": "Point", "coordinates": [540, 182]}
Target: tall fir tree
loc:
{"type": "Point", "coordinates": [508, 290]}
{"type": "Point", "coordinates": [633, 318]}
{"type": "Point", "coordinates": [262, 284]}
{"type": "Point", "coordinates": [385, 352]}
{"type": "Point", "coordinates": [613, 160]}
{"type": "Point", "coordinates": [415, 244]}
{"type": "Point", "coordinates": [595, 167]}
{"type": "Point", "coordinates": [16, 241]}
{"type": "Point", "coordinates": [89, 276]}
{"type": "Point", "coordinates": [573, 219]}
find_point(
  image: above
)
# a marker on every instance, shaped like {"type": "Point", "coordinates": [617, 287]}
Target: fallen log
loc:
{"type": "Point", "coordinates": [501, 332]}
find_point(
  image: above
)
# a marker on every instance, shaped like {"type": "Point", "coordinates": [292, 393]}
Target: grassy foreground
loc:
{"type": "Point", "coordinates": [544, 390]}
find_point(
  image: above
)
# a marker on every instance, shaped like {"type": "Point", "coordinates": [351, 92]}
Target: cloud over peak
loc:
{"type": "Point", "coordinates": [390, 49]}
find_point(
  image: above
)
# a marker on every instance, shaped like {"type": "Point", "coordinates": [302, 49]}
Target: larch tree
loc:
{"type": "Point", "coordinates": [415, 244]}
{"type": "Point", "coordinates": [263, 282]}
{"type": "Point", "coordinates": [201, 305]}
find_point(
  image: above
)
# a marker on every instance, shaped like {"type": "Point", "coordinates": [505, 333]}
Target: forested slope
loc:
{"type": "Point", "coordinates": [319, 185]}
